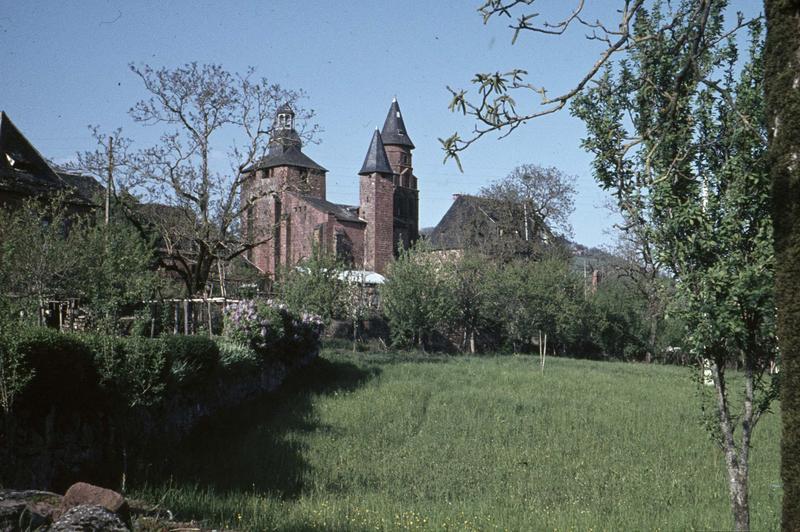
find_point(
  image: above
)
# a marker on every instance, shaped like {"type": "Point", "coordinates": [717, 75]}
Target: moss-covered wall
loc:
{"type": "Point", "coordinates": [783, 111]}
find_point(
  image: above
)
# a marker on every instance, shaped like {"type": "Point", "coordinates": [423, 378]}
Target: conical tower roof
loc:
{"type": "Point", "coordinates": [376, 160]}
{"type": "Point", "coordinates": [394, 129]}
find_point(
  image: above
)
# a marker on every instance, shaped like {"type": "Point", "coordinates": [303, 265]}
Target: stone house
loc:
{"type": "Point", "coordinates": [289, 212]}
{"type": "Point", "coordinates": [502, 229]}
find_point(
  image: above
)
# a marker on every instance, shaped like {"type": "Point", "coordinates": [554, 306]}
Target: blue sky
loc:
{"type": "Point", "coordinates": [64, 65]}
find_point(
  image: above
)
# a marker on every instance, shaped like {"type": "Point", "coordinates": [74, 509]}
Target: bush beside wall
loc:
{"type": "Point", "coordinates": [93, 398]}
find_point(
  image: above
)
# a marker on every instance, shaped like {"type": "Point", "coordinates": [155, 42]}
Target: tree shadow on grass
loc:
{"type": "Point", "coordinates": [257, 447]}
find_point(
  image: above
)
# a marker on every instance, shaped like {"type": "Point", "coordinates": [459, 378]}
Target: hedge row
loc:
{"type": "Point", "coordinates": [78, 370]}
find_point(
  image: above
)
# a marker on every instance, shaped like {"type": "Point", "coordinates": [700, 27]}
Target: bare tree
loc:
{"type": "Point", "coordinates": [195, 205]}
{"type": "Point", "coordinates": [545, 197]}
{"type": "Point", "coordinates": [506, 100]}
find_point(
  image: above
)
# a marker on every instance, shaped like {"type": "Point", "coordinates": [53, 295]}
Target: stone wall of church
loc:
{"type": "Point", "coordinates": [377, 209]}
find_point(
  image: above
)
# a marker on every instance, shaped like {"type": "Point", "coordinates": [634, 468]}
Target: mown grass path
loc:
{"type": "Point", "coordinates": [366, 442]}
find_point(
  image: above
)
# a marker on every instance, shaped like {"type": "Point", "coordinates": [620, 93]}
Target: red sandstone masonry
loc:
{"type": "Point", "coordinates": [377, 208]}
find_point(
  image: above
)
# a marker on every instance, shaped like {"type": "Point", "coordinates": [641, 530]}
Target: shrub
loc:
{"type": "Point", "coordinates": [259, 325]}
{"type": "Point", "coordinates": [62, 366]}
{"type": "Point", "coordinates": [305, 332]}
{"type": "Point", "coordinates": [133, 370]}
{"type": "Point", "coordinates": [315, 286]}
{"type": "Point", "coordinates": [193, 358]}
{"type": "Point", "coordinates": [235, 356]}
{"type": "Point", "coordinates": [15, 373]}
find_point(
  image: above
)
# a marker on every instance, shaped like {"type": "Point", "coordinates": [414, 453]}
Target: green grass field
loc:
{"type": "Point", "coordinates": [386, 442]}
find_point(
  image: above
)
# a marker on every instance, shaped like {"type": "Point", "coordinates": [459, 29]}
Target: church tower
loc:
{"type": "Point", "coordinates": [406, 196]}
{"type": "Point", "coordinates": [376, 206]}
{"type": "Point", "coordinates": [284, 171]}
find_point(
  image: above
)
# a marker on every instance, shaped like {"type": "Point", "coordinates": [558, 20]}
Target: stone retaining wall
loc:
{"type": "Point", "coordinates": [52, 450]}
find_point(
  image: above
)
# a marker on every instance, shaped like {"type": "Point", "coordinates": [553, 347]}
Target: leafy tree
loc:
{"type": "Point", "coordinates": [415, 298]}
{"type": "Point", "coordinates": [201, 206]}
{"type": "Point", "coordinates": [700, 191]}
{"type": "Point", "coordinates": [314, 285]}
{"type": "Point", "coordinates": [117, 268]}
{"type": "Point", "coordinates": [469, 290]}
{"type": "Point", "coordinates": [542, 199]}
{"type": "Point", "coordinates": [619, 320]}
{"type": "Point", "coordinates": [533, 298]}
{"type": "Point", "coordinates": [38, 244]}
{"type": "Point", "coordinates": [53, 253]}
{"type": "Point", "coordinates": [677, 50]}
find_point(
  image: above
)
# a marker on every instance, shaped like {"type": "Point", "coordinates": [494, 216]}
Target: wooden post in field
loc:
{"type": "Point", "coordinates": [186, 317]}
{"type": "Point", "coordinates": [109, 178]}
{"type": "Point", "coordinates": [542, 350]}
{"type": "Point", "coordinates": [210, 332]}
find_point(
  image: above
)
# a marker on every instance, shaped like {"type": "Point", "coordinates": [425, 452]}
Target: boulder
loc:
{"type": "Point", "coordinates": [26, 509]}
{"type": "Point", "coordinates": [83, 494]}
{"type": "Point", "coordinates": [88, 518]}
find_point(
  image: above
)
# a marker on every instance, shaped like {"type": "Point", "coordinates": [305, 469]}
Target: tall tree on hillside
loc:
{"type": "Point", "coordinates": [199, 107]}
{"type": "Point", "coordinates": [531, 206]}
{"type": "Point", "coordinates": [677, 50]}
{"type": "Point", "coordinates": [782, 73]}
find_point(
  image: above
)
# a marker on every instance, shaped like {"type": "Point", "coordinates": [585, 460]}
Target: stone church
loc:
{"type": "Point", "coordinates": [290, 215]}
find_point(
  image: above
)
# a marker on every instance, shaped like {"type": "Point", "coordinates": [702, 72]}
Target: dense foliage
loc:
{"type": "Point", "coordinates": [415, 297]}
{"type": "Point", "coordinates": [684, 156]}
{"type": "Point", "coordinates": [42, 366]}
{"type": "Point", "coordinates": [314, 285]}
{"type": "Point", "coordinates": [474, 303]}
{"type": "Point", "coordinates": [49, 251]}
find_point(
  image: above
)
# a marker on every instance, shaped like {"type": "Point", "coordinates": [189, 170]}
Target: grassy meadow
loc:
{"type": "Point", "coordinates": [406, 442]}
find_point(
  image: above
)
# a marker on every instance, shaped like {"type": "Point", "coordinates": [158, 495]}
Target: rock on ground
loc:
{"type": "Point", "coordinates": [26, 509]}
{"type": "Point", "coordinates": [88, 519]}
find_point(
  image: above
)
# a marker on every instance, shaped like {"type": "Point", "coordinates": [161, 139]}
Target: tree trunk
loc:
{"type": "Point", "coordinates": [735, 459]}
{"type": "Point", "coordinates": [782, 88]}
{"type": "Point", "coordinates": [653, 336]}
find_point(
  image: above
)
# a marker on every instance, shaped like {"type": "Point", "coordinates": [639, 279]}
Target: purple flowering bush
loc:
{"type": "Point", "coordinates": [269, 327]}
{"type": "Point", "coordinates": [258, 325]}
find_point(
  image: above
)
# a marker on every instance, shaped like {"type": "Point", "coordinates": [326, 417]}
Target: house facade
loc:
{"type": "Point", "coordinates": [289, 213]}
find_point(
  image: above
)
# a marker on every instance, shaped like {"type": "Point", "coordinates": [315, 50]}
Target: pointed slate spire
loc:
{"type": "Point", "coordinates": [394, 130]}
{"type": "Point", "coordinates": [376, 160]}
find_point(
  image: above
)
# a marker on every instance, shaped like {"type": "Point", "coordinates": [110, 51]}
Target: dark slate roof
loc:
{"type": "Point", "coordinates": [284, 139]}
{"type": "Point", "coordinates": [376, 160]}
{"type": "Point", "coordinates": [394, 129]}
{"type": "Point", "coordinates": [343, 213]}
{"type": "Point", "coordinates": [24, 171]}
{"type": "Point", "coordinates": [465, 213]}
{"type": "Point", "coordinates": [291, 157]}
{"type": "Point", "coordinates": [18, 156]}
{"type": "Point", "coordinates": [85, 185]}
{"type": "Point", "coordinates": [474, 220]}
{"type": "Point", "coordinates": [285, 108]}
